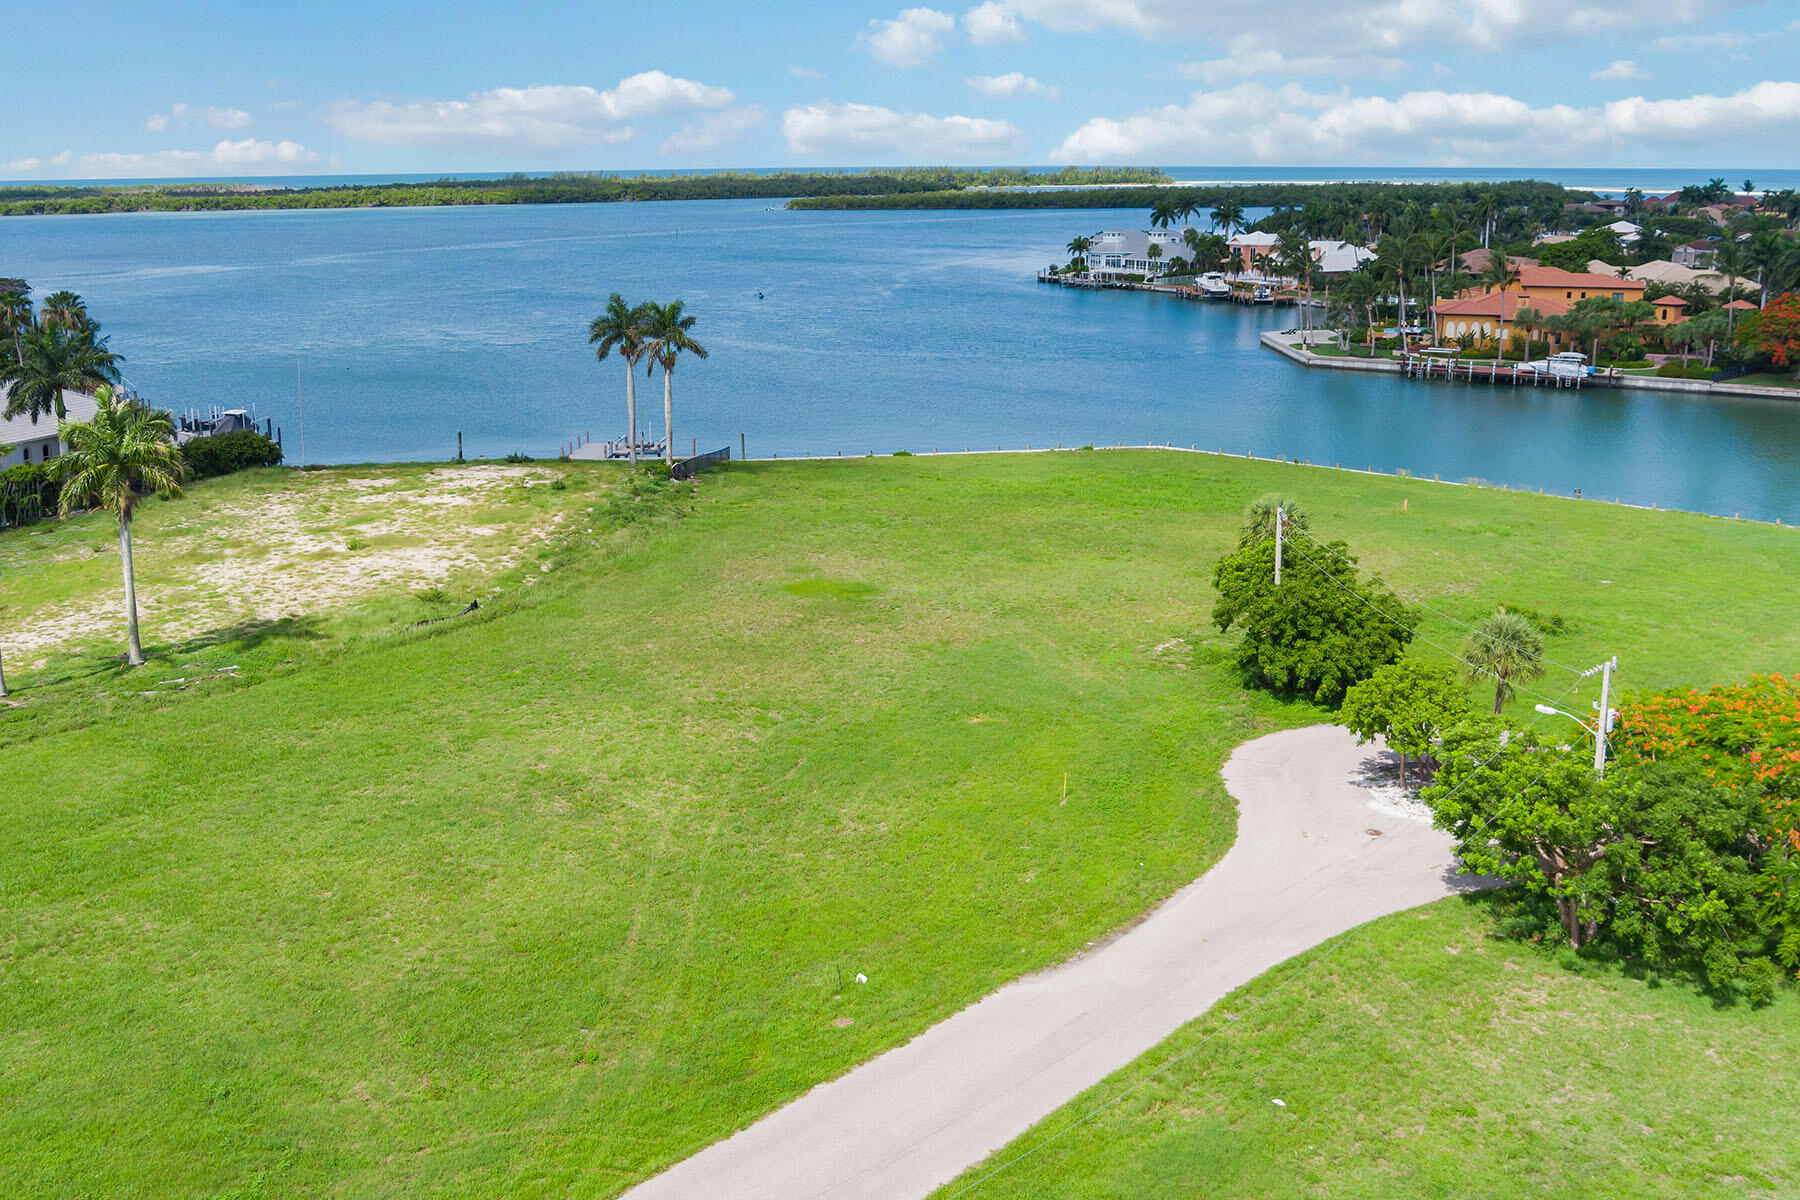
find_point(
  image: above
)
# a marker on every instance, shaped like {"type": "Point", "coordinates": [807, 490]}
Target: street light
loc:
{"type": "Point", "coordinates": [1547, 710]}
{"type": "Point", "coordinates": [1603, 725]}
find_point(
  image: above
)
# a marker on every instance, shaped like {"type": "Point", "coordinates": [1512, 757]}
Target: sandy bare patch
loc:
{"type": "Point", "coordinates": [322, 543]}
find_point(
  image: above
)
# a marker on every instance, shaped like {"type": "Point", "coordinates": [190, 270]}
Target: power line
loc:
{"type": "Point", "coordinates": [1259, 1000]}
{"type": "Point", "coordinates": [1354, 565]}
{"type": "Point", "coordinates": [1494, 675]}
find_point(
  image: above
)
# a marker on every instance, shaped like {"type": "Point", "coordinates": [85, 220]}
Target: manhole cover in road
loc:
{"type": "Point", "coordinates": [1373, 832]}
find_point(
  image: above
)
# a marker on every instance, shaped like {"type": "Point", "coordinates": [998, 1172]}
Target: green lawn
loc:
{"type": "Point", "coordinates": [1423, 1057]}
{"type": "Point", "coordinates": [1766, 379]}
{"type": "Point", "coordinates": [1333, 350]}
{"type": "Point", "coordinates": [536, 901]}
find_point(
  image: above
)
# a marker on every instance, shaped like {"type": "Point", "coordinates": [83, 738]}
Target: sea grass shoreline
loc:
{"type": "Point", "coordinates": [560, 188]}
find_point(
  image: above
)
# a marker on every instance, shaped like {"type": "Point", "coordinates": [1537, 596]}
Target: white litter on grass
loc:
{"type": "Point", "coordinates": [1398, 802]}
{"type": "Point", "coordinates": [1279, 1103]}
{"type": "Point", "coordinates": [861, 978]}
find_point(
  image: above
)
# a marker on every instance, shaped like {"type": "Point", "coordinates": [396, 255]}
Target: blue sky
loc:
{"type": "Point", "coordinates": [187, 89]}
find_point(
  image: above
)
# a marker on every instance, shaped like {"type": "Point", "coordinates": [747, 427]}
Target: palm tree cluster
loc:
{"type": "Point", "coordinates": [648, 332]}
{"type": "Point", "coordinates": [49, 351]}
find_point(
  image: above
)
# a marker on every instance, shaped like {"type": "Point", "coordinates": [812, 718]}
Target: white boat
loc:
{"type": "Point", "coordinates": [1213, 286]}
{"type": "Point", "coordinates": [1264, 294]}
{"type": "Point", "coordinates": [1566, 364]}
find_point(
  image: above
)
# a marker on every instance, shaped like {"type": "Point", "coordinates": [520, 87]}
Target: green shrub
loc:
{"type": "Point", "coordinates": [903, 454]}
{"type": "Point", "coordinates": [28, 492]}
{"type": "Point", "coordinates": [1674, 370]}
{"type": "Point", "coordinates": [1627, 364]}
{"type": "Point", "coordinates": [228, 452]}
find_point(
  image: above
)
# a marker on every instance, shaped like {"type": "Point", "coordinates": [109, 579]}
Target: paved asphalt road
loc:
{"type": "Point", "coordinates": [1304, 868]}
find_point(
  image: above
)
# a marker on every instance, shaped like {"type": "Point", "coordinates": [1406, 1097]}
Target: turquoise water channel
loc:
{"type": "Point", "coordinates": [875, 332]}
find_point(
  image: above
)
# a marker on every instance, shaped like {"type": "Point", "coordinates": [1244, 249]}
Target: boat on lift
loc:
{"type": "Point", "coordinates": [1214, 287]}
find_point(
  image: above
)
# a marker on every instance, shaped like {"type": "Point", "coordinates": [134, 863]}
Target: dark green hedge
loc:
{"type": "Point", "coordinates": [230, 452]}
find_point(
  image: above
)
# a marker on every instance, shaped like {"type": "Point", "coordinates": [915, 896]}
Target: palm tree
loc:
{"type": "Point", "coordinates": [52, 360]}
{"type": "Point", "coordinates": [65, 309]}
{"type": "Point", "coordinates": [1078, 248]}
{"type": "Point", "coordinates": [620, 328]}
{"type": "Point", "coordinates": [1730, 260]}
{"type": "Point", "coordinates": [1766, 252]}
{"type": "Point", "coordinates": [1165, 212]}
{"type": "Point", "coordinates": [15, 317]}
{"type": "Point", "coordinates": [1259, 519]}
{"type": "Point", "coordinates": [1528, 319]}
{"type": "Point", "coordinates": [1228, 217]}
{"type": "Point", "coordinates": [666, 339]}
{"type": "Point", "coordinates": [1153, 252]}
{"type": "Point", "coordinates": [1294, 251]}
{"type": "Point", "coordinates": [1499, 275]}
{"type": "Point", "coordinates": [1506, 648]}
{"type": "Point", "coordinates": [125, 452]}
{"type": "Point", "coordinates": [1397, 249]}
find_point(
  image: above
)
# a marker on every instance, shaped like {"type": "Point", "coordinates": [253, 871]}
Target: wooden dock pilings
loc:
{"type": "Point", "coordinates": [1424, 366]}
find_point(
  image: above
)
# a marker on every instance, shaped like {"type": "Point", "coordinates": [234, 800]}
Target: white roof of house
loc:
{"type": "Point", "coordinates": [1132, 243]}
{"type": "Point", "coordinates": [21, 429]}
{"type": "Point", "coordinates": [1335, 256]}
{"type": "Point", "coordinates": [1663, 271]}
{"type": "Point", "coordinates": [1253, 240]}
{"type": "Point", "coordinates": [1624, 227]}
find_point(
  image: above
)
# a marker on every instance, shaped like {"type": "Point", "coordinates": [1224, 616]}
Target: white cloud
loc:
{"type": "Point", "coordinates": [1687, 42]}
{"type": "Point", "coordinates": [180, 115]}
{"type": "Point", "coordinates": [1257, 123]}
{"type": "Point", "coordinates": [226, 118]}
{"type": "Point", "coordinates": [992, 23]}
{"type": "Point", "coordinates": [910, 39]}
{"type": "Point", "coordinates": [852, 129]}
{"type": "Point", "coordinates": [1014, 83]}
{"type": "Point", "coordinates": [805, 73]}
{"type": "Point", "coordinates": [544, 117]}
{"type": "Point", "coordinates": [714, 131]}
{"type": "Point", "coordinates": [1621, 68]}
{"type": "Point", "coordinates": [1351, 27]}
{"type": "Point", "coordinates": [1249, 61]}
{"type": "Point", "coordinates": [248, 156]}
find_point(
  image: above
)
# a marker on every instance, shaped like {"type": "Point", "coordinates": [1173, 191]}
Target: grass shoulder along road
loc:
{"type": "Point", "coordinates": [1424, 1056]}
{"type": "Point", "coordinates": [541, 901]}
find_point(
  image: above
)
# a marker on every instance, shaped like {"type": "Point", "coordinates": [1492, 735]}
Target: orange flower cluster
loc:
{"type": "Point", "coordinates": [1742, 732]}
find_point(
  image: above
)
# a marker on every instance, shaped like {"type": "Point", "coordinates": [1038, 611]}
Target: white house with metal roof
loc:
{"type": "Point", "coordinates": [36, 441]}
{"type": "Point", "coordinates": [1126, 251]}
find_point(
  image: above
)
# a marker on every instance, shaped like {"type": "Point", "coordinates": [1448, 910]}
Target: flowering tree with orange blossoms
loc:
{"type": "Point", "coordinates": [1775, 331]}
{"type": "Point", "coordinates": [1742, 735]}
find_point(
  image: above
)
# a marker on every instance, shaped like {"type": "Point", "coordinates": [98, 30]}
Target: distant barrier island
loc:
{"type": "Point", "coordinates": [18, 200]}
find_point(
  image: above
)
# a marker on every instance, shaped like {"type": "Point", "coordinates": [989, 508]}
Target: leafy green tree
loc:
{"type": "Point", "coordinates": [666, 338]}
{"type": "Point", "coordinates": [621, 328]}
{"type": "Point", "coordinates": [1324, 629]}
{"type": "Point", "coordinates": [127, 451]}
{"type": "Point", "coordinates": [1654, 858]}
{"type": "Point", "coordinates": [1505, 648]}
{"type": "Point", "coordinates": [1409, 704]}
{"type": "Point", "coordinates": [54, 359]}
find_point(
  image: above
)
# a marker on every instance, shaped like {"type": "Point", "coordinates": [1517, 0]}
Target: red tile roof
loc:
{"type": "Point", "coordinates": [1740, 305]}
{"type": "Point", "coordinates": [1557, 277]}
{"type": "Point", "coordinates": [1488, 305]}
{"type": "Point", "coordinates": [1669, 302]}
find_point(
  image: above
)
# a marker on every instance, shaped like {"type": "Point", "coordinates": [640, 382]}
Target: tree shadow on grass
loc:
{"type": "Point", "coordinates": [251, 635]}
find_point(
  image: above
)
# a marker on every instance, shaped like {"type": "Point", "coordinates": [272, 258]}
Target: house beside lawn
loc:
{"type": "Point", "coordinates": [37, 441]}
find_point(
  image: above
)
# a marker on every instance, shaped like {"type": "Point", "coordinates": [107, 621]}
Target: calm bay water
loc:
{"type": "Point", "coordinates": [878, 332]}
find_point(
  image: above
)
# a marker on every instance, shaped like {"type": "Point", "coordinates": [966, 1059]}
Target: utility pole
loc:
{"type": "Point", "coordinates": [1280, 530]}
{"type": "Point", "coordinates": [2, 677]}
{"type": "Point", "coordinates": [1603, 725]}
{"type": "Point", "coordinates": [300, 402]}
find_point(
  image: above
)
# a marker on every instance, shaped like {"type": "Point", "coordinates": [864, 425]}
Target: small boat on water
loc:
{"type": "Point", "coordinates": [190, 426]}
{"type": "Point", "coordinates": [1264, 294]}
{"type": "Point", "coordinates": [1214, 287]}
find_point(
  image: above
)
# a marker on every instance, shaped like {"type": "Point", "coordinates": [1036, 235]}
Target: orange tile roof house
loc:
{"type": "Point", "coordinates": [1568, 287]}
{"type": "Point", "coordinates": [1669, 309]}
{"type": "Point", "coordinates": [1491, 315]}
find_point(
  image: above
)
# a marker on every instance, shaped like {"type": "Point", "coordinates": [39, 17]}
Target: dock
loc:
{"type": "Point", "coordinates": [1425, 366]}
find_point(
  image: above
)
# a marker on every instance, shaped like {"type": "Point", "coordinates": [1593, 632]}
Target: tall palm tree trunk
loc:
{"type": "Point", "coordinates": [1499, 694]}
{"type": "Point", "coordinates": [631, 409]}
{"type": "Point", "coordinates": [135, 651]}
{"type": "Point", "coordinates": [668, 416]}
